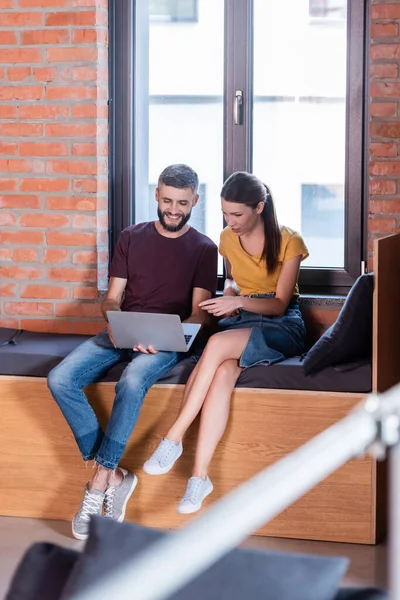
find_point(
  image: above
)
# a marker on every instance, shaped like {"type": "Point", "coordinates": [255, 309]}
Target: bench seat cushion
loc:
{"type": "Point", "coordinates": [35, 354]}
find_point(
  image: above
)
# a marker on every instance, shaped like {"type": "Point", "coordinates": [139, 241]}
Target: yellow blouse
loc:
{"type": "Point", "coordinates": [249, 272]}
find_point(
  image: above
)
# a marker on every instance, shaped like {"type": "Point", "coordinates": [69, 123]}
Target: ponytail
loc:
{"type": "Point", "coordinates": [272, 233]}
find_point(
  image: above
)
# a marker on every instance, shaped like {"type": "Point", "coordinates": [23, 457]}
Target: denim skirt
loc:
{"type": "Point", "coordinates": [272, 339]}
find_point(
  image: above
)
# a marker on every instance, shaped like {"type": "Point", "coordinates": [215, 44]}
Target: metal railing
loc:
{"type": "Point", "coordinates": [178, 558]}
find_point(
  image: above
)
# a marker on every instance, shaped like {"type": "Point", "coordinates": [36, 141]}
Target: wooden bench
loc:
{"type": "Point", "coordinates": [42, 474]}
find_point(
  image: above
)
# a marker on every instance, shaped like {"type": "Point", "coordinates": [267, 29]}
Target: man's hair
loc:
{"type": "Point", "coordinates": [179, 176]}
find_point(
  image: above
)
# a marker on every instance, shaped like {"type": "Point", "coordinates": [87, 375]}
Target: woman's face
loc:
{"type": "Point", "coordinates": [241, 218]}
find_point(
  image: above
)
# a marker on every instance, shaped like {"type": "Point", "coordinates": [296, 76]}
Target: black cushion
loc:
{"type": "Point", "coordinates": [361, 594]}
{"type": "Point", "coordinates": [42, 573]}
{"type": "Point", "coordinates": [350, 337]}
{"type": "Point", "coordinates": [243, 573]}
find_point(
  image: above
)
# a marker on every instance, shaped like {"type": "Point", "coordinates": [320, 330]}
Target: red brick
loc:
{"type": "Point", "coordinates": [384, 51]}
{"type": "Point", "coordinates": [16, 165]}
{"type": "Point", "coordinates": [53, 255]}
{"type": "Point", "coordinates": [25, 254]}
{"type": "Point", "coordinates": [385, 11]}
{"type": "Point", "coordinates": [20, 202]}
{"type": "Point", "coordinates": [21, 19]}
{"type": "Point", "coordinates": [43, 149]}
{"type": "Point", "coordinates": [5, 254]}
{"type": "Point", "coordinates": [6, 3]}
{"type": "Point", "coordinates": [385, 90]}
{"type": "Point", "coordinates": [19, 130]}
{"type": "Point", "coordinates": [7, 38]}
{"type": "Point", "coordinates": [90, 185]}
{"type": "Point", "coordinates": [85, 293]}
{"type": "Point", "coordinates": [382, 225]}
{"type": "Point", "coordinates": [84, 222]}
{"type": "Point", "coordinates": [43, 3]}
{"type": "Point", "coordinates": [20, 273]}
{"type": "Point", "coordinates": [71, 93]}
{"type": "Point", "coordinates": [45, 291]}
{"type": "Point", "coordinates": [8, 185]}
{"type": "Point", "coordinates": [15, 92]}
{"type": "Point", "coordinates": [70, 55]}
{"type": "Point", "coordinates": [8, 289]}
{"type": "Point", "coordinates": [90, 36]}
{"type": "Point", "coordinates": [380, 187]}
{"type": "Point", "coordinates": [383, 149]}
{"type": "Point", "coordinates": [97, 3]}
{"type": "Point", "coordinates": [70, 203]}
{"type": "Point", "coordinates": [7, 219]}
{"type": "Point", "coordinates": [46, 326]}
{"type": "Point", "coordinates": [76, 167]}
{"type": "Point", "coordinates": [21, 237]}
{"type": "Point", "coordinates": [385, 207]}
{"type": "Point", "coordinates": [385, 129]}
{"type": "Point", "coordinates": [84, 257]}
{"type": "Point", "coordinates": [29, 308]}
{"type": "Point", "coordinates": [18, 73]}
{"type": "Point", "coordinates": [43, 220]}
{"type": "Point", "coordinates": [88, 327]}
{"type": "Point", "coordinates": [84, 73]}
{"type": "Point", "coordinates": [90, 149]}
{"type": "Point", "coordinates": [45, 185]}
{"type": "Point", "coordinates": [90, 111]}
{"type": "Point", "coordinates": [58, 238]}
{"type": "Point", "coordinates": [79, 275]}
{"type": "Point", "coordinates": [384, 71]}
{"type": "Point", "coordinates": [43, 112]}
{"type": "Point", "coordinates": [8, 148]}
{"type": "Point", "coordinates": [12, 323]}
{"type": "Point", "coordinates": [45, 73]}
{"type": "Point", "coordinates": [8, 112]}
{"type": "Point", "coordinates": [383, 109]}
{"type": "Point", "coordinates": [20, 55]}
{"type": "Point", "coordinates": [71, 17]}
{"type": "Point", "coordinates": [77, 130]}
{"type": "Point", "coordinates": [78, 310]}
{"type": "Point", "coordinates": [45, 36]}
{"type": "Point", "coordinates": [385, 168]}
{"type": "Point", "coordinates": [384, 30]}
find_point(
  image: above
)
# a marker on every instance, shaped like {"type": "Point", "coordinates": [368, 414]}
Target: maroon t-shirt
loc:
{"type": "Point", "coordinates": [163, 271]}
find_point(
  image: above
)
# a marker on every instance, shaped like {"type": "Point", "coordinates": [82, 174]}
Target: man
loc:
{"type": "Point", "coordinates": [164, 266]}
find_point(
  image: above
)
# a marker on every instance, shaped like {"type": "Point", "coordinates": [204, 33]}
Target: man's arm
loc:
{"type": "Point", "coordinates": [112, 301]}
{"type": "Point", "coordinates": [198, 315]}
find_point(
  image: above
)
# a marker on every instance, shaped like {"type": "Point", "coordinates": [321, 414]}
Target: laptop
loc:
{"type": "Point", "coordinates": [163, 332]}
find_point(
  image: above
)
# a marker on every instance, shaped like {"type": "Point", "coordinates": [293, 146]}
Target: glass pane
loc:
{"type": "Point", "coordinates": [300, 119]}
{"type": "Point", "coordinates": [173, 10]}
{"type": "Point", "coordinates": [186, 79]}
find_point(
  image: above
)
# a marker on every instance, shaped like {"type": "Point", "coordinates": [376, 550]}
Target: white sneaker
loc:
{"type": "Point", "coordinates": [197, 489]}
{"type": "Point", "coordinates": [163, 459]}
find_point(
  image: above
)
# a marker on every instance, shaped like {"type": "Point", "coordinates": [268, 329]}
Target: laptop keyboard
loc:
{"type": "Point", "coordinates": [188, 338]}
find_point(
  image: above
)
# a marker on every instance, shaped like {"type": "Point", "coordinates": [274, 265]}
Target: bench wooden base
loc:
{"type": "Point", "coordinates": [42, 474]}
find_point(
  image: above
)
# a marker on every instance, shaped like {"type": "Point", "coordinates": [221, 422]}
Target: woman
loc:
{"type": "Point", "coordinates": [262, 324]}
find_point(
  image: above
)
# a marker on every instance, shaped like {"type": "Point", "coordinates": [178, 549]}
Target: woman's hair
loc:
{"type": "Point", "coordinates": [245, 188]}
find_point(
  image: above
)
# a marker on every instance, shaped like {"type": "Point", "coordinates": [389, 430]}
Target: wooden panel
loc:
{"type": "Point", "coordinates": [386, 319]}
{"type": "Point", "coordinates": [42, 474]}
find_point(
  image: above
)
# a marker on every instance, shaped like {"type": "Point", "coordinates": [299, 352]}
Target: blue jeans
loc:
{"type": "Point", "coordinates": [88, 363]}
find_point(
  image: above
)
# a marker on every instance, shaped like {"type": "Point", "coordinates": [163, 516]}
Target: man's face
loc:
{"type": "Point", "coordinates": [175, 206]}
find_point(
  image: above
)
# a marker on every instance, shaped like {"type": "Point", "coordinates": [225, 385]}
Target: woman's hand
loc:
{"type": "Point", "coordinates": [223, 306]}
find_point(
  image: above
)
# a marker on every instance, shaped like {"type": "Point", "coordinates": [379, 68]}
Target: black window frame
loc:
{"type": "Point", "coordinates": [125, 106]}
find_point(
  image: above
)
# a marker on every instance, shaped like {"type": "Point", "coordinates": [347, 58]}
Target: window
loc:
{"type": "Point", "coordinates": [173, 10]}
{"type": "Point", "coordinates": [299, 127]}
{"type": "Point", "coordinates": [331, 9]}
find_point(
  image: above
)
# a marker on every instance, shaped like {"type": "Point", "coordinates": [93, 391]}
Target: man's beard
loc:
{"type": "Point", "coordinates": [173, 228]}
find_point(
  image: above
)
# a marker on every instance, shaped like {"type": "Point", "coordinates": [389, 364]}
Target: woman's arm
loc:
{"type": "Point", "coordinates": [272, 307]}
{"type": "Point", "coordinates": [230, 287]}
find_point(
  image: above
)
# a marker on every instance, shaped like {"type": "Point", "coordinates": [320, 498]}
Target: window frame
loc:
{"type": "Point", "coordinates": [126, 108]}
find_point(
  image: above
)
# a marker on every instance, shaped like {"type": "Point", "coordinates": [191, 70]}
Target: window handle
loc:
{"type": "Point", "coordinates": [238, 108]}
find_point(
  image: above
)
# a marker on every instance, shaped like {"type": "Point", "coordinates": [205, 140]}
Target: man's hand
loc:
{"type": "Point", "coordinates": [149, 350]}
{"type": "Point", "coordinates": [110, 335]}
{"type": "Point", "coordinates": [223, 306]}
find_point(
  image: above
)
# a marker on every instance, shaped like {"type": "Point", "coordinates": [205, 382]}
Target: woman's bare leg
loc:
{"type": "Point", "coordinates": [220, 347]}
{"type": "Point", "coordinates": [214, 415]}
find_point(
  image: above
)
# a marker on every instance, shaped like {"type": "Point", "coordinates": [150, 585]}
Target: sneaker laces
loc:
{"type": "Point", "coordinates": [163, 451]}
{"type": "Point", "coordinates": [192, 489]}
{"type": "Point", "coordinates": [91, 505]}
{"type": "Point", "coordinates": [109, 502]}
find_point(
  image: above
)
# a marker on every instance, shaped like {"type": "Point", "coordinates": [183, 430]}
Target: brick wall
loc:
{"type": "Point", "coordinates": [384, 165]}
{"type": "Point", "coordinates": [53, 163]}
{"type": "Point", "coordinates": [53, 156]}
